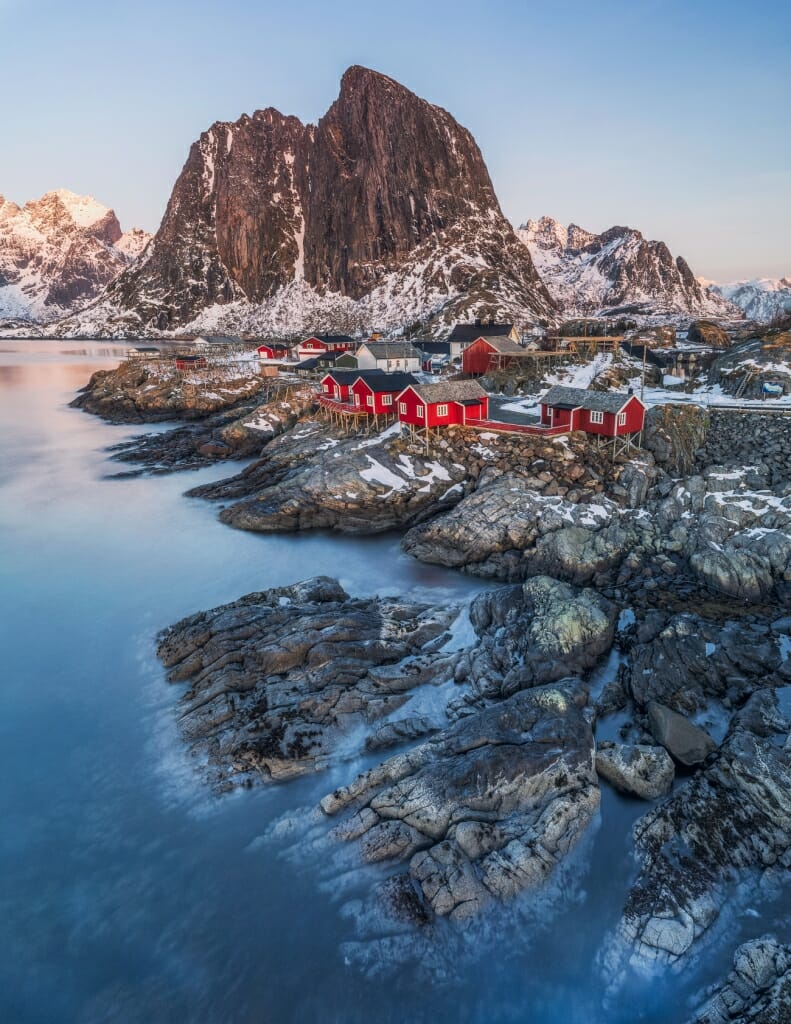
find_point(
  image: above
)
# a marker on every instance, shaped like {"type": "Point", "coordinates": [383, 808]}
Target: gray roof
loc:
{"type": "Point", "coordinates": [392, 349]}
{"type": "Point", "coordinates": [452, 391]}
{"type": "Point", "coordinates": [504, 345]}
{"type": "Point", "coordinates": [573, 398]}
{"type": "Point", "coordinates": [469, 332]}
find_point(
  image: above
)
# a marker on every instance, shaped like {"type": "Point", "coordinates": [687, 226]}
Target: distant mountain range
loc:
{"type": "Point", "coordinates": [381, 215]}
{"type": "Point", "coordinates": [763, 298]}
{"type": "Point", "coordinates": [57, 253]}
{"type": "Point", "coordinates": [618, 272]}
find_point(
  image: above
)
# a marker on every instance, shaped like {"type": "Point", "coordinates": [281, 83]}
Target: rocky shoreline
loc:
{"type": "Point", "coordinates": [676, 563]}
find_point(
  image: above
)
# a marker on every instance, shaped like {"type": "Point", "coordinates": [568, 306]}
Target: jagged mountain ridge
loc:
{"type": "Point", "coordinates": [58, 252]}
{"type": "Point", "coordinates": [762, 298]}
{"type": "Point", "coordinates": [382, 213]}
{"type": "Point", "coordinates": [616, 272]}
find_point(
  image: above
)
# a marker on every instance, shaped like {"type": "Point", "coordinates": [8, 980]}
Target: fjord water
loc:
{"type": "Point", "coordinates": [128, 892]}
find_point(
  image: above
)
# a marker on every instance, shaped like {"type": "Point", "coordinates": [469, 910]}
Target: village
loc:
{"type": "Point", "coordinates": [427, 385]}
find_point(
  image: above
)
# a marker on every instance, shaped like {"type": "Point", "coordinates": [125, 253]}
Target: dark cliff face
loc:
{"type": "Point", "coordinates": [267, 201]}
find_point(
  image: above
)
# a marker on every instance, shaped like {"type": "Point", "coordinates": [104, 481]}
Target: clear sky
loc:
{"type": "Point", "coordinates": [672, 117]}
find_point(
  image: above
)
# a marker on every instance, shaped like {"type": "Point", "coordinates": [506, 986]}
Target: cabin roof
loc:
{"type": "Point", "coordinates": [380, 382]}
{"type": "Point", "coordinates": [503, 345]}
{"type": "Point", "coordinates": [433, 347]}
{"type": "Point", "coordinates": [392, 349]}
{"type": "Point", "coordinates": [469, 332]}
{"type": "Point", "coordinates": [331, 339]}
{"type": "Point", "coordinates": [344, 376]}
{"type": "Point", "coordinates": [574, 398]}
{"type": "Point", "coordinates": [451, 391]}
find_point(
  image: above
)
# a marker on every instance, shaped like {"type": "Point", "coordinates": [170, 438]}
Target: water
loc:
{"type": "Point", "coordinates": [129, 893]}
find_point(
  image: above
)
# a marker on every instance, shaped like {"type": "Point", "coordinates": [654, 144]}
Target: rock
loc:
{"type": "Point", "coordinates": [757, 990]}
{"type": "Point", "coordinates": [140, 391]}
{"type": "Point", "coordinates": [536, 633]}
{"type": "Point", "coordinates": [279, 679]}
{"type": "Point", "coordinates": [636, 769]}
{"type": "Point", "coordinates": [725, 825]}
{"type": "Point", "coordinates": [686, 661]}
{"type": "Point", "coordinates": [706, 332]}
{"type": "Point", "coordinates": [687, 743]}
{"type": "Point", "coordinates": [484, 809]}
{"type": "Point", "coordinates": [674, 433]}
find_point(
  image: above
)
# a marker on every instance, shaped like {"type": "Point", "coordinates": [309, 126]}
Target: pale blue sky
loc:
{"type": "Point", "coordinates": [671, 117]}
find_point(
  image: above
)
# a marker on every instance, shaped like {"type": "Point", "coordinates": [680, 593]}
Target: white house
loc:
{"type": "Point", "coordinates": [388, 356]}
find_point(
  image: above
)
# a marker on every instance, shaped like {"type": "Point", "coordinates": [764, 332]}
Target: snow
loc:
{"type": "Point", "coordinates": [377, 473]}
{"type": "Point", "coordinates": [83, 210]}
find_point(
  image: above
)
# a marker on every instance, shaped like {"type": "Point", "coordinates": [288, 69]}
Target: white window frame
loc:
{"type": "Point", "coordinates": [621, 419]}
{"type": "Point", "coordinates": [387, 399]}
{"type": "Point", "coordinates": [369, 401]}
{"type": "Point", "coordinates": [597, 416]}
{"type": "Point", "coordinates": [356, 398]}
{"type": "Point", "coordinates": [402, 408]}
{"type": "Point", "coordinates": [420, 411]}
{"type": "Point", "coordinates": [442, 410]}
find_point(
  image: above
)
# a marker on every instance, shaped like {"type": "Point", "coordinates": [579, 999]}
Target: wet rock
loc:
{"type": "Point", "coordinates": [536, 633]}
{"type": "Point", "coordinates": [686, 661]}
{"type": "Point", "coordinates": [727, 824]}
{"type": "Point", "coordinates": [279, 680]}
{"type": "Point", "coordinates": [687, 743]}
{"type": "Point", "coordinates": [636, 769]}
{"type": "Point", "coordinates": [484, 809]}
{"type": "Point", "coordinates": [757, 990]}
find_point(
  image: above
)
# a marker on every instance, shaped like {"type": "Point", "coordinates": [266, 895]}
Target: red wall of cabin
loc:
{"type": "Point", "coordinates": [475, 358]}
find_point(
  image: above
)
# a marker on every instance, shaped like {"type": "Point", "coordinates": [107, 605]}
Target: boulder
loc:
{"type": "Point", "coordinates": [280, 679]}
{"type": "Point", "coordinates": [636, 769]}
{"type": "Point", "coordinates": [673, 434]}
{"type": "Point", "coordinates": [687, 743]}
{"type": "Point", "coordinates": [712, 838]}
{"type": "Point", "coordinates": [706, 332]}
{"type": "Point", "coordinates": [483, 810]}
{"type": "Point", "coordinates": [757, 990]}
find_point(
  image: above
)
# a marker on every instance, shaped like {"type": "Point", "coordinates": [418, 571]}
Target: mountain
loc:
{"type": "Point", "coordinates": [381, 214]}
{"type": "Point", "coordinates": [763, 298]}
{"type": "Point", "coordinates": [616, 272]}
{"type": "Point", "coordinates": [58, 252]}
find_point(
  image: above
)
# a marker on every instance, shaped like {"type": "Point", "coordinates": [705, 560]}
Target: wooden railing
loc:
{"type": "Point", "coordinates": [517, 428]}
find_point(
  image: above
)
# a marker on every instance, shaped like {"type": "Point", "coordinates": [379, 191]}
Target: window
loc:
{"type": "Point", "coordinates": [388, 400]}
{"type": "Point", "coordinates": [420, 410]}
{"type": "Point", "coordinates": [402, 408]}
{"type": "Point", "coordinates": [442, 410]}
{"type": "Point", "coordinates": [621, 419]}
{"type": "Point", "coordinates": [370, 401]}
{"type": "Point", "coordinates": [596, 416]}
{"type": "Point", "coordinates": [356, 398]}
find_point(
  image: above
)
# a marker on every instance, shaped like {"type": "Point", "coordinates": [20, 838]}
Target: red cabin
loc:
{"type": "Point", "coordinates": [277, 350]}
{"type": "Point", "coordinates": [486, 353]}
{"type": "Point", "coordinates": [190, 362]}
{"type": "Point", "coordinates": [437, 405]}
{"type": "Point", "coordinates": [376, 392]}
{"type": "Point", "coordinates": [337, 384]}
{"type": "Point", "coordinates": [317, 344]}
{"type": "Point", "coordinates": [609, 413]}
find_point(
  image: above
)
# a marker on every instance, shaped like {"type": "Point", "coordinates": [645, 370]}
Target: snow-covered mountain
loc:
{"type": "Point", "coordinates": [382, 214]}
{"type": "Point", "coordinates": [762, 299]}
{"type": "Point", "coordinates": [58, 252]}
{"type": "Point", "coordinates": [616, 272]}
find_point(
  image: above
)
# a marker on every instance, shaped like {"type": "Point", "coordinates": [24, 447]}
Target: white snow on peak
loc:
{"type": "Point", "coordinates": [83, 210]}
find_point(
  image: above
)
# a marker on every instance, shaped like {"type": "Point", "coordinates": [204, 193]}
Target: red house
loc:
{"type": "Point", "coordinates": [609, 413]}
{"type": "Point", "coordinates": [337, 384]}
{"type": "Point", "coordinates": [275, 350]}
{"type": "Point", "coordinates": [376, 392]}
{"type": "Point", "coordinates": [436, 405]}
{"type": "Point", "coordinates": [317, 344]}
{"type": "Point", "coordinates": [488, 352]}
{"type": "Point", "coordinates": [190, 362]}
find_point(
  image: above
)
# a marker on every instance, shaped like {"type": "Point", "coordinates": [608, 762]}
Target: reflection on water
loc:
{"type": "Point", "coordinates": [127, 893]}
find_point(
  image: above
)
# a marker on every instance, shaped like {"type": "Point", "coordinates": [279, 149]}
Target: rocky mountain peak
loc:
{"type": "Point", "coordinates": [382, 212]}
{"type": "Point", "coordinates": [58, 252]}
{"type": "Point", "coordinates": [617, 272]}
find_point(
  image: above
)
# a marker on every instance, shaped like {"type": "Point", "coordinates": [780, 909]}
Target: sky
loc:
{"type": "Point", "coordinates": [670, 117]}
